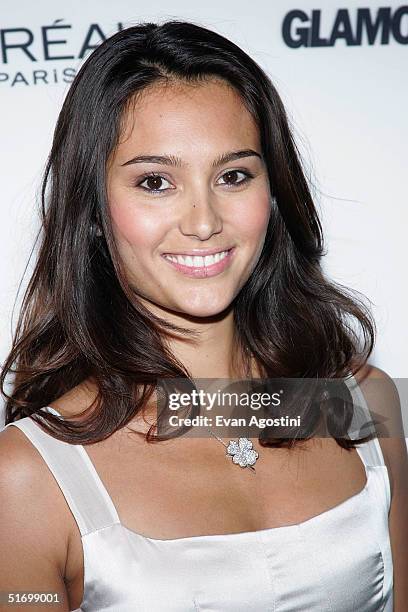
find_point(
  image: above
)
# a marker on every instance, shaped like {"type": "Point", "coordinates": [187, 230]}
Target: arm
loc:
{"type": "Point", "coordinates": [33, 541]}
{"type": "Point", "coordinates": [383, 400]}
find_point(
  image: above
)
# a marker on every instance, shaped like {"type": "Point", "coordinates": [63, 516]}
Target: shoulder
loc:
{"type": "Point", "coordinates": [370, 372]}
{"type": "Point", "coordinates": [383, 400]}
{"type": "Point", "coordinates": [20, 462]}
{"type": "Point", "coordinates": [33, 511]}
{"type": "Point", "coordinates": [383, 393]}
{"type": "Point", "coordinates": [382, 397]}
{"type": "Point", "coordinates": [77, 399]}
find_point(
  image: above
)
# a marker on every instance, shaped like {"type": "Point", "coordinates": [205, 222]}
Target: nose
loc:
{"type": "Point", "coordinates": [200, 218]}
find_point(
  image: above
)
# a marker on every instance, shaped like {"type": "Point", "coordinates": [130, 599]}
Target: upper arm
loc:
{"type": "Point", "coordinates": [32, 540]}
{"type": "Point", "coordinates": [383, 401]}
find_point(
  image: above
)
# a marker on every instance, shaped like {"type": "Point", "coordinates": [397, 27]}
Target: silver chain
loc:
{"type": "Point", "coordinates": [248, 373]}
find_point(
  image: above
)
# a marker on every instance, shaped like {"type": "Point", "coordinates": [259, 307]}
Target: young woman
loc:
{"type": "Point", "coordinates": [180, 240]}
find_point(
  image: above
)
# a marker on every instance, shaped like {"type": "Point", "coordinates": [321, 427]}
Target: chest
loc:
{"type": "Point", "coordinates": [191, 488]}
{"type": "Point", "coordinates": [339, 561]}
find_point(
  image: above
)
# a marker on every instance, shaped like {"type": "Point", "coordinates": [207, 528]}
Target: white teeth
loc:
{"type": "Point", "coordinates": [208, 260]}
{"type": "Point", "coordinates": [196, 261]}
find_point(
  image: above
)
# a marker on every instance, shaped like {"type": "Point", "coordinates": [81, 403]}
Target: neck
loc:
{"type": "Point", "coordinates": [215, 350]}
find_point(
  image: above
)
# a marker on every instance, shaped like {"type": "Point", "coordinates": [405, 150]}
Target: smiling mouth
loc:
{"type": "Point", "coordinates": [200, 266]}
{"type": "Point", "coordinates": [197, 261]}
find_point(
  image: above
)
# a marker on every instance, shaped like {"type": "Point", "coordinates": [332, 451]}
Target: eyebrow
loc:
{"type": "Point", "coordinates": [172, 160]}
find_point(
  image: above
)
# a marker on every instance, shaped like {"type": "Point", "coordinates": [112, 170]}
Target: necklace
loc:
{"type": "Point", "coordinates": [240, 450]}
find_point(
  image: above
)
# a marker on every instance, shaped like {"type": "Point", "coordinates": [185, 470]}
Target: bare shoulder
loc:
{"type": "Point", "coordinates": [77, 399]}
{"type": "Point", "coordinates": [383, 400]}
{"type": "Point", "coordinates": [371, 372]}
{"type": "Point", "coordinates": [34, 539]}
{"type": "Point", "coordinates": [382, 396]}
{"type": "Point", "coordinates": [381, 392]}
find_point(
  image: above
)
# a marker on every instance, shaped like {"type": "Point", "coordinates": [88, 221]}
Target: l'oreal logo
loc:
{"type": "Point", "coordinates": [357, 27]}
{"type": "Point", "coordinates": [50, 43]}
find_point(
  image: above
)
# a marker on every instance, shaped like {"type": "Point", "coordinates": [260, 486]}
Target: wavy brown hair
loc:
{"type": "Point", "coordinates": [81, 320]}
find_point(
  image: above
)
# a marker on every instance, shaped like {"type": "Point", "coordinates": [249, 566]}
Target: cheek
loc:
{"type": "Point", "coordinates": [251, 220]}
{"type": "Point", "coordinates": [136, 229]}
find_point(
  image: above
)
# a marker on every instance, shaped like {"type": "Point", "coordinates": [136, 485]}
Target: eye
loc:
{"type": "Point", "coordinates": [154, 181]}
{"type": "Point", "coordinates": [233, 174]}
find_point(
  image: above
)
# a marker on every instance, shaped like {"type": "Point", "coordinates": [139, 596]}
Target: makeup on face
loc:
{"type": "Point", "coordinates": [189, 198]}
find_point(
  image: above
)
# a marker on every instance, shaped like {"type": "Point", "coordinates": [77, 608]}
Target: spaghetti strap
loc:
{"type": "Point", "coordinates": [363, 424]}
{"type": "Point", "coordinates": [370, 452]}
{"type": "Point", "coordinates": [73, 470]}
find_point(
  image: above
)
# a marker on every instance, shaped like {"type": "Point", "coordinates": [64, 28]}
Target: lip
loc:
{"type": "Point", "coordinates": [202, 252]}
{"type": "Point", "coordinates": [202, 271]}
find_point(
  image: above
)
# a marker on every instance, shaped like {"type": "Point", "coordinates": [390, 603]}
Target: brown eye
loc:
{"type": "Point", "coordinates": [232, 176]}
{"type": "Point", "coordinates": [153, 182]}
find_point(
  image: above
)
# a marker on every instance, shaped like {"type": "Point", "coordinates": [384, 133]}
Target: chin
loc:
{"type": "Point", "coordinates": [203, 309]}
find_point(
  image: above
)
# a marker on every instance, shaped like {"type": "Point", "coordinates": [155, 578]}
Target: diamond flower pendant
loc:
{"type": "Point", "coordinates": [242, 452]}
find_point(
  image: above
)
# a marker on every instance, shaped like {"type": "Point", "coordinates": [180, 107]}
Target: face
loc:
{"type": "Point", "coordinates": [189, 197]}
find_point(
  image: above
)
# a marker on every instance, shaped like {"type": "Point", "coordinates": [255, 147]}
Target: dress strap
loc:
{"type": "Point", "coordinates": [363, 425]}
{"type": "Point", "coordinates": [370, 452]}
{"type": "Point", "coordinates": [75, 474]}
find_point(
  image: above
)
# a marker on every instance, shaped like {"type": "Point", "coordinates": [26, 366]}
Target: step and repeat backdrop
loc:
{"type": "Point", "coordinates": [341, 71]}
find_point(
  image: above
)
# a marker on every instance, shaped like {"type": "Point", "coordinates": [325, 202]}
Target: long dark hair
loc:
{"type": "Point", "coordinates": [79, 317]}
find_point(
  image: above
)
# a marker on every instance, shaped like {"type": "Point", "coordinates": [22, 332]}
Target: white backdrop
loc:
{"type": "Point", "coordinates": [346, 102]}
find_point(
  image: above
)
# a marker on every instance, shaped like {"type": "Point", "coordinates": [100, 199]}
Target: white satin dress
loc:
{"type": "Point", "coordinates": [337, 561]}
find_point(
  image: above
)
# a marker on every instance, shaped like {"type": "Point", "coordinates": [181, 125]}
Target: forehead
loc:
{"type": "Point", "coordinates": [193, 117]}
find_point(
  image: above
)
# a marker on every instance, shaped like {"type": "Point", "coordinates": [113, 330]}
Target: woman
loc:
{"type": "Point", "coordinates": [172, 144]}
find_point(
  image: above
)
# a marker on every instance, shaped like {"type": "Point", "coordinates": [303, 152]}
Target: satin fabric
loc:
{"type": "Point", "coordinates": [337, 561]}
